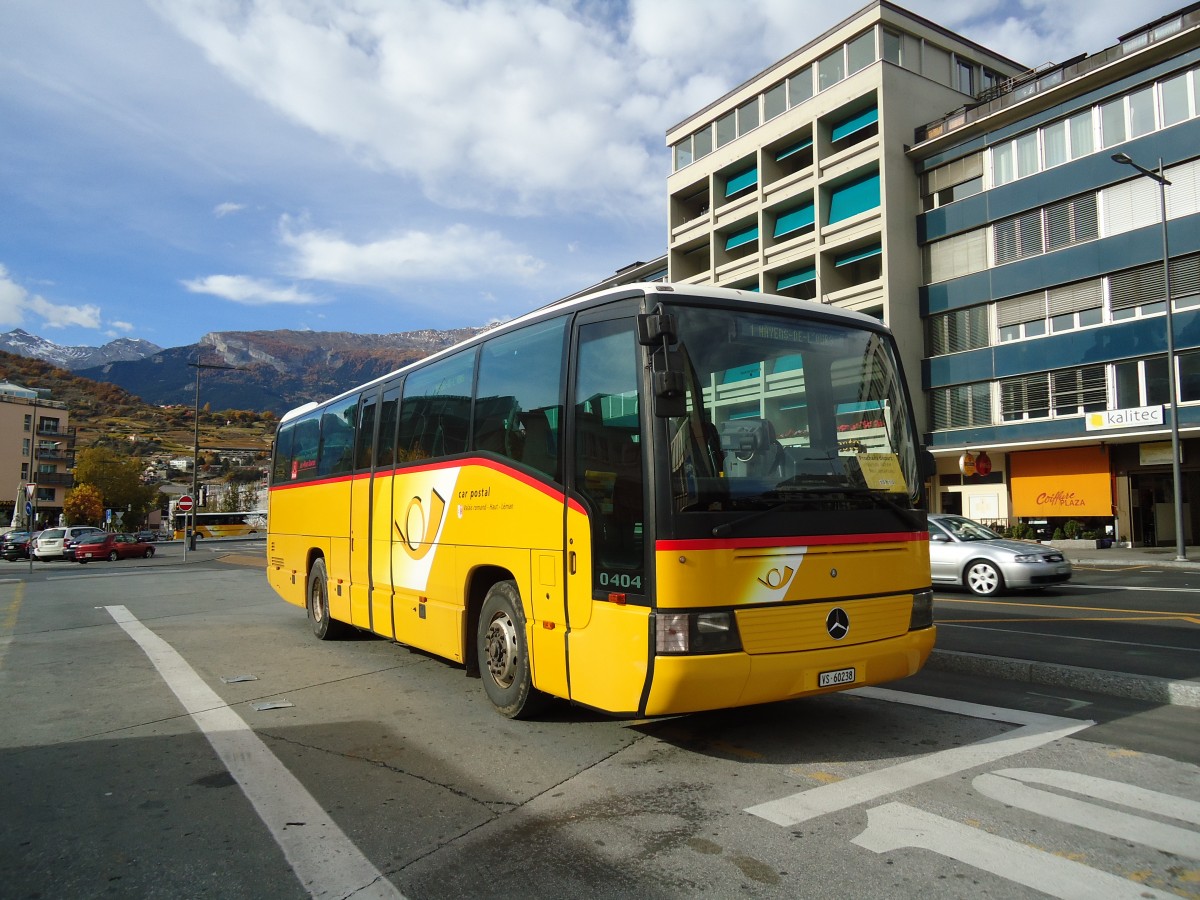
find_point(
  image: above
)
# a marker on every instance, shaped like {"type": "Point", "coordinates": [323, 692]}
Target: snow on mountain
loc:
{"type": "Point", "coordinates": [22, 343]}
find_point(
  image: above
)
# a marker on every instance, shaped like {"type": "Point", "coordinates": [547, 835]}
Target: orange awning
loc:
{"type": "Point", "coordinates": [1071, 482]}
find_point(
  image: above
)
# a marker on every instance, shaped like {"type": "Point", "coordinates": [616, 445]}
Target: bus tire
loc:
{"type": "Point", "coordinates": [317, 601]}
{"type": "Point", "coordinates": [504, 654]}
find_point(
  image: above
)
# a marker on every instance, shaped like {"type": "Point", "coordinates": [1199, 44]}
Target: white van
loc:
{"type": "Point", "coordinates": [59, 543]}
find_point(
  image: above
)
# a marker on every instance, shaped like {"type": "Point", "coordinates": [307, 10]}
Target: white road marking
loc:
{"type": "Point", "coordinates": [324, 859]}
{"type": "Point", "coordinates": [1011, 787]}
{"type": "Point", "coordinates": [895, 825]}
{"type": "Point", "coordinates": [1036, 729]}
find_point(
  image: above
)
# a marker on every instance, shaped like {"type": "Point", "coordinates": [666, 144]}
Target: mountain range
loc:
{"type": "Point", "coordinates": [251, 370]}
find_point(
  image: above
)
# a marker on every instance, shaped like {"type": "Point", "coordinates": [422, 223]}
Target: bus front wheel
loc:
{"type": "Point", "coordinates": [323, 625]}
{"type": "Point", "coordinates": [504, 654]}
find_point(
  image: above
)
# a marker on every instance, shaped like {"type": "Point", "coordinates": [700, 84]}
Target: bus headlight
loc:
{"type": "Point", "coordinates": [707, 632]}
{"type": "Point", "coordinates": [922, 611]}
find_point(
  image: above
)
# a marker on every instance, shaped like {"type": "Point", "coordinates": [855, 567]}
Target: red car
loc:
{"type": "Point", "coordinates": [113, 547]}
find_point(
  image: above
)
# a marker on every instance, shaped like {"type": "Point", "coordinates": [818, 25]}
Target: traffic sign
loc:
{"type": "Point", "coordinates": [28, 509]}
{"type": "Point", "coordinates": [184, 504]}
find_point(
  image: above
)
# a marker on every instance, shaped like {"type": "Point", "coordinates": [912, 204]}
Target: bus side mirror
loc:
{"type": "Point", "coordinates": [669, 385]}
{"type": "Point", "coordinates": [928, 463]}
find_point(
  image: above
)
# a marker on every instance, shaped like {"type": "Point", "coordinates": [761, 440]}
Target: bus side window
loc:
{"type": "Point", "coordinates": [282, 470]}
{"type": "Point", "coordinates": [435, 413]}
{"type": "Point", "coordinates": [337, 438]}
{"type": "Point", "coordinates": [385, 451]}
{"type": "Point", "coordinates": [365, 433]}
{"type": "Point", "coordinates": [305, 444]}
{"type": "Point", "coordinates": [519, 395]}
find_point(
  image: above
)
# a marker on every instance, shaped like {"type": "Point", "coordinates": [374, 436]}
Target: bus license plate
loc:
{"type": "Point", "coordinates": [838, 676]}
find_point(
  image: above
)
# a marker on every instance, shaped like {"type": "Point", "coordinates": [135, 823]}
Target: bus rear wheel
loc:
{"type": "Point", "coordinates": [504, 654]}
{"type": "Point", "coordinates": [322, 624]}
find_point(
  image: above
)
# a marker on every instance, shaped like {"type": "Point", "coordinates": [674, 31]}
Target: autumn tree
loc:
{"type": "Point", "coordinates": [84, 505]}
{"type": "Point", "coordinates": [118, 480]}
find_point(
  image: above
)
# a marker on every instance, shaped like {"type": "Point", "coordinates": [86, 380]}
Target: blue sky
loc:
{"type": "Point", "coordinates": [173, 168]}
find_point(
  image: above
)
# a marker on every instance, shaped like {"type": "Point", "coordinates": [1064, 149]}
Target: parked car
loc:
{"type": "Point", "coordinates": [15, 544]}
{"type": "Point", "coordinates": [59, 543]}
{"type": "Point", "coordinates": [148, 537]}
{"type": "Point", "coordinates": [113, 547]}
{"type": "Point", "coordinates": [963, 552]}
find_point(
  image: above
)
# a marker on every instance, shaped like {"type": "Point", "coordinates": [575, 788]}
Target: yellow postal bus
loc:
{"type": "Point", "coordinates": [655, 499]}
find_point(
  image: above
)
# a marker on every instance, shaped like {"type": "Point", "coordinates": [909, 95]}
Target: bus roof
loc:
{"type": "Point", "coordinates": [659, 289]}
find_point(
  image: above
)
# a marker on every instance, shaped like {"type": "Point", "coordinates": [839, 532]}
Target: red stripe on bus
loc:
{"type": "Point", "coordinates": [815, 540]}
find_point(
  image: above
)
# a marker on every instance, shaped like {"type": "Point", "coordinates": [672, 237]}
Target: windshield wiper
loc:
{"type": "Point", "coordinates": [727, 527]}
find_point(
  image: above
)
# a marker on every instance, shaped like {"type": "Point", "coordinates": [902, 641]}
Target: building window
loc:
{"type": "Point", "coordinates": [726, 128]}
{"type": "Point", "coordinates": [774, 101]}
{"type": "Point", "coordinates": [1142, 382]}
{"type": "Point", "coordinates": [854, 128]}
{"type": "Point", "coordinates": [800, 283]}
{"type": "Point", "coordinates": [683, 153]}
{"type": "Point", "coordinates": [962, 329]}
{"type": "Point", "coordinates": [24, 471]}
{"type": "Point", "coordinates": [1141, 112]}
{"type": "Point", "coordinates": [953, 181]}
{"type": "Point", "coordinates": [1136, 292]}
{"type": "Point", "coordinates": [702, 142]}
{"type": "Point", "coordinates": [747, 116]}
{"type": "Point", "coordinates": [25, 447]}
{"type": "Point", "coordinates": [1071, 222]}
{"type": "Point", "coordinates": [831, 69]}
{"type": "Point", "coordinates": [1027, 397]}
{"type": "Point", "coordinates": [854, 197]}
{"type": "Point", "coordinates": [893, 47]}
{"type": "Point", "coordinates": [1175, 105]}
{"type": "Point", "coordinates": [1189, 376]}
{"type": "Point", "coordinates": [860, 52]}
{"type": "Point", "coordinates": [1021, 317]}
{"type": "Point", "coordinates": [794, 222]}
{"type": "Point", "coordinates": [28, 421]}
{"type": "Point", "coordinates": [800, 86]}
{"type": "Point", "coordinates": [1112, 122]}
{"type": "Point", "coordinates": [961, 406]}
{"type": "Point", "coordinates": [966, 77]}
{"type": "Point", "coordinates": [1075, 305]}
{"type": "Point", "coordinates": [1018, 237]}
{"type": "Point", "coordinates": [45, 495]}
{"type": "Point", "coordinates": [953, 257]}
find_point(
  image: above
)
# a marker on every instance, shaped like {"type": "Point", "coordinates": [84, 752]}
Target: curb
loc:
{"type": "Point", "coordinates": [1114, 684]}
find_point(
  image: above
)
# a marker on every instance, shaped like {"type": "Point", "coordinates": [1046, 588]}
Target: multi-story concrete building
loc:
{"type": "Point", "coordinates": [797, 182]}
{"type": "Point", "coordinates": [1044, 288]}
{"type": "Point", "coordinates": [37, 448]}
{"type": "Point", "coordinates": [895, 168]}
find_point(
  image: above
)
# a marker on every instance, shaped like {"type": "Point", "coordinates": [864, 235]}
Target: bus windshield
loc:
{"type": "Point", "coordinates": [782, 409]}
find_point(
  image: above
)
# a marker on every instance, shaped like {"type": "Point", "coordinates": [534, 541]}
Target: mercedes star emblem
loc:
{"type": "Point", "coordinates": [837, 623]}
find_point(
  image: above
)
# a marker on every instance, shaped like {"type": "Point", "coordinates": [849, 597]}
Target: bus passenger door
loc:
{"type": "Point", "coordinates": [606, 551]}
{"type": "Point", "coordinates": [360, 513]}
{"type": "Point", "coordinates": [382, 614]}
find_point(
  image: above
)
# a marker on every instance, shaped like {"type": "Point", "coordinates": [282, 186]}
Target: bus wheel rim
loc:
{"type": "Point", "coordinates": [318, 603]}
{"type": "Point", "coordinates": [501, 650]}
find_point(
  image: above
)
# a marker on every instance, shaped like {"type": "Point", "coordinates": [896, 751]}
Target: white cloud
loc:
{"type": "Point", "coordinates": [16, 303]}
{"type": "Point", "coordinates": [121, 326]}
{"type": "Point", "coordinates": [221, 210]}
{"type": "Point", "coordinates": [457, 253]}
{"type": "Point", "coordinates": [249, 291]}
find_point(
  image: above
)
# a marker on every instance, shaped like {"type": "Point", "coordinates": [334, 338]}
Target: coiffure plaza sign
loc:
{"type": "Point", "coordinates": [1138, 417]}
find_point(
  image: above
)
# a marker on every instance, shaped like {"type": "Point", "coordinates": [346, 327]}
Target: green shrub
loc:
{"type": "Point", "coordinates": [1072, 528]}
{"type": "Point", "coordinates": [1058, 534]}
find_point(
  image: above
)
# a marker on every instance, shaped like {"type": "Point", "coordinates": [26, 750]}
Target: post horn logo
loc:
{"type": "Point", "coordinates": [419, 529]}
{"type": "Point", "coordinates": [775, 580]}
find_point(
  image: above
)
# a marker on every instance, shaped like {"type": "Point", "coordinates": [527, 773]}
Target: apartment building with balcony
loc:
{"type": "Point", "coordinates": [37, 455]}
{"type": "Point", "coordinates": [1043, 293]}
{"type": "Point", "coordinates": [798, 181]}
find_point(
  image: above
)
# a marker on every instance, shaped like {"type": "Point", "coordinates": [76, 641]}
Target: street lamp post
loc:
{"type": "Point", "coordinates": [189, 533]}
{"type": "Point", "coordinates": [1177, 480]}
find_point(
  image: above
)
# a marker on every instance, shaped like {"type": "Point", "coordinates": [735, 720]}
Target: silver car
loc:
{"type": "Point", "coordinates": [963, 552]}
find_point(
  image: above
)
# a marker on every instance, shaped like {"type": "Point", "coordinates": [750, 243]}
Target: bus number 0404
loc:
{"type": "Point", "coordinates": [622, 580]}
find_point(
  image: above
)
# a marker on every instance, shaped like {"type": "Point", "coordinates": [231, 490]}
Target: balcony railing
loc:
{"type": "Point", "coordinates": [1051, 75]}
{"type": "Point", "coordinates": [54, 479]}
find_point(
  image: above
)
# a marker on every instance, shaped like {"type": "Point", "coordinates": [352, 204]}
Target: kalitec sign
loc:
{"type": "Point", "coordinates": [1137, 417]}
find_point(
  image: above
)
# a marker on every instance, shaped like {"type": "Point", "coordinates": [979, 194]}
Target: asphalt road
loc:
{"type": "Point", "coordinates": [175, 731]}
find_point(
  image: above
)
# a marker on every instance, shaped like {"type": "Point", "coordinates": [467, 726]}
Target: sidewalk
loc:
{"type": "Point", "coordinates": [1101, 681]}
{"type": "Point", "coordinates": [1157, 557]}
